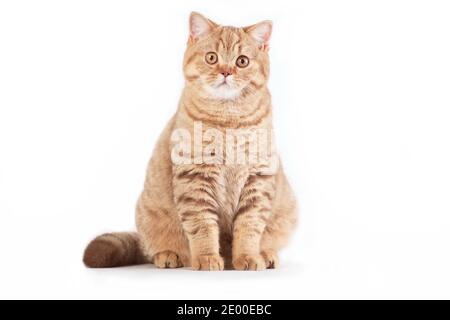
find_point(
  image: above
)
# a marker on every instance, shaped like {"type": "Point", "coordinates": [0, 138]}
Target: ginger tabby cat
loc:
{"type": "Point", "coordinates": [211, 213]}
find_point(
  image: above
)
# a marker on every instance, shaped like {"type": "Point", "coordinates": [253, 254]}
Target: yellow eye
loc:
{"type": "Point", "coordinates": [242, 61]}
{"type": "Point", "coordinates": [211, 58]}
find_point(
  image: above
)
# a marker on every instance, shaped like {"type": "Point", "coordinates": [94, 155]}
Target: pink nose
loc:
{"type": "Point", "coordinates": [225, 74]}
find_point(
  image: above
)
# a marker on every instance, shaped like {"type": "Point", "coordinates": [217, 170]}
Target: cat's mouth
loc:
{"type": "Point", "coordinates": [223, 90]}
{"type": "Point", "coordinates": [224, 84]}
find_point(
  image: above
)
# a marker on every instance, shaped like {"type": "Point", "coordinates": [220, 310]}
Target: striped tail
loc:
{"type": "Point", "coordinates": [114, 250]}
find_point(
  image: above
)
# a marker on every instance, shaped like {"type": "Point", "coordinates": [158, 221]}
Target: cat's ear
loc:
{"type": "Point", "coordinates": [261, 32]}
{"type": "Point", "coordinates": [199, 26]}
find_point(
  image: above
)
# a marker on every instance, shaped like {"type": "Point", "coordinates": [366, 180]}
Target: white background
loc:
{"type": "Point", "coordinates": [361, 102]}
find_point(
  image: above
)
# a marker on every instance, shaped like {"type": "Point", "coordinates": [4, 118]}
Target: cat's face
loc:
{"type": "Point", "coordinates": [225, 62]}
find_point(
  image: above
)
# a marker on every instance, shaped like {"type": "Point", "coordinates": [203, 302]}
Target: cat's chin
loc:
{"type": "Point", "coordinates": [222, 92]}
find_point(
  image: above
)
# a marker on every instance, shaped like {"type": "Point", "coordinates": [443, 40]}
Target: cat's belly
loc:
{"type": "Point", "coordinates": [233, 179]}
{"type": "Point", "coordinates": [232, 183]}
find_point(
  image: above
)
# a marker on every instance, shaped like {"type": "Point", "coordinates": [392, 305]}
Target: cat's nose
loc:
{"type": "Point", "coordinates": [225, 73]}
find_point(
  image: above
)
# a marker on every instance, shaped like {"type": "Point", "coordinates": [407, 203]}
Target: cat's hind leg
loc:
{"type": "Point", "coordinates": [270, 258]}
{"type": "Point", "coordinates": [167, 259]}
{"type": "Point", "coordinates": [163, 239]}
{"type": "Point", "coordinates": [276, 235]}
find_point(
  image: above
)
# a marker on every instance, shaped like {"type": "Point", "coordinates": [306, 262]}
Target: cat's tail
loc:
{"type": "Point", "coordinates": [114, 250]}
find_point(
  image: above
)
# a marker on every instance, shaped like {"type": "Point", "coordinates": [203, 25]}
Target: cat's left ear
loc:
{"type": "Point", "coordinates": [261, 32]}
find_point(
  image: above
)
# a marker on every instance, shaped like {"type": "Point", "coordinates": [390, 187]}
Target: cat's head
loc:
{"type": "Point", "coordinates": [224, 62]}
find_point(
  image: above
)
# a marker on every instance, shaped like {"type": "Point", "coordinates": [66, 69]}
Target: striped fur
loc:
{"type": "Point", "coordinates": [210, 216]}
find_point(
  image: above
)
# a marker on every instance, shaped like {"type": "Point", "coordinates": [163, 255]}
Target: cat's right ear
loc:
{"type": "Point", "coordinates": [199, 27]}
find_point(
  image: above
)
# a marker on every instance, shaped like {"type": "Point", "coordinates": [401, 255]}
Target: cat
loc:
{"type": "Point", "coordinates": [215, 215]}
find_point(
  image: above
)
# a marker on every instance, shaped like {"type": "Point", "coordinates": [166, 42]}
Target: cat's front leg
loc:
{"type": "Point", "coordinates": [250, 221]}
{"type": "Point", "coordinates": [195, 197]}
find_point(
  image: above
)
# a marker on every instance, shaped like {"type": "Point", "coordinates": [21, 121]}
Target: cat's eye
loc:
{"type": "Point", "coordinates": [242, 61]}
{"type": "Point", "coordinates": [211, 58]}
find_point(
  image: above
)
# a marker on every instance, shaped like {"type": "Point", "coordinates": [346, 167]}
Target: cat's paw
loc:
{"type": "Point", "coordinates": [208, 262]}
{"type": "Point", "coordinates": [271, 259]}
{"type": "Point", "coordinates": [167, 259]}
{"type": "Point", "coordinates": [249, 262]}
